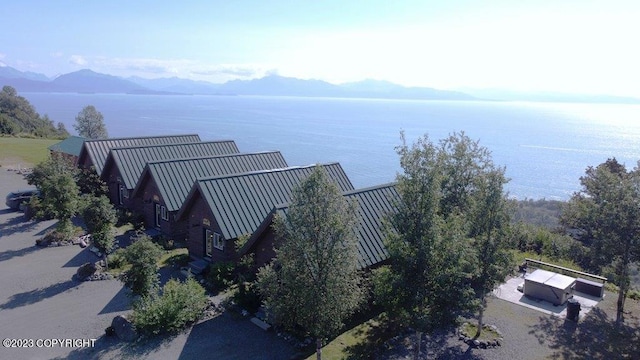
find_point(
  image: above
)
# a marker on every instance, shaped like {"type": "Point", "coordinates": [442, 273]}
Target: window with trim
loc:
{"type": "Point", "coordinates": [218, 242]}
{"type": "Point", "coordinates": [164, 213]}
{"type": "Point", "coordinates": [121, 194]}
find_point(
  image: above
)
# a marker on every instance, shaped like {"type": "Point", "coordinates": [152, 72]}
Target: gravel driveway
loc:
{"type": "Point", "coordinates": [39, 300]}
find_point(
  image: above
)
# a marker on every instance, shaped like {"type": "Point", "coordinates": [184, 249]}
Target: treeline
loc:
{"type": "Point", "coordinates": [541, 212]}
{"type": "Point", "coordinates": [19, 118]}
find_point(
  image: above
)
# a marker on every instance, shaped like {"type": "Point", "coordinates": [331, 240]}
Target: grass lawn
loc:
{"type": "Point", "coordinates": [23, 152]}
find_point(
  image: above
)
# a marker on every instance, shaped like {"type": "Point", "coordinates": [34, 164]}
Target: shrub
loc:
{"type": "Point", "coordinates": [117, 259]}
{"type": "Point", "coordinates": [143, 255]}
{"type": "Point", "coordinates": [180, 304]}
{"type": "Point", "coordinates": [221, 274]}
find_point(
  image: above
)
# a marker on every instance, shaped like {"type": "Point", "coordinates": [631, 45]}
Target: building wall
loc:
{"type": "Point", "coordinates": [144, 204]}
{"type": "Point", "coordinates": [114, 182]}
{"type": "Point", "coordinates": [263, 248]}
{"type": "Point", "coordinates": [200, 218]}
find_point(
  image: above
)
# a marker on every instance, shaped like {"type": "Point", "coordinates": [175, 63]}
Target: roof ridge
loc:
{"type": "Point", "coordinates": [141, 137]}
{"type": "Point", "coordinates": [172, 144]}
{"type": "Point", "coordinates": [210, 157]}
{"type": "Point", "coordinates": [370, 188]}
{"type": "Point", "coordinates": [249, 173]}
{"type": "Point", "coordinates": [345, 193]}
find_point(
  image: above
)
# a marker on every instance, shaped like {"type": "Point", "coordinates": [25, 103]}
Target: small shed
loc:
{"type": "Point", "coordinates": [546, 285]}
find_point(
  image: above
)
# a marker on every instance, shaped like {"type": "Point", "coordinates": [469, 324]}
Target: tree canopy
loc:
{"type": "Point", "coordinates": [314, 280]}
{"type": "Point", "coordinates": [90, 123]}
{"type": "Point", "coordinates": [18, 116]}
{"type": "Point", "coordinates": [55, 178]}
{"type": "Point", "coordinates": [606, 212]}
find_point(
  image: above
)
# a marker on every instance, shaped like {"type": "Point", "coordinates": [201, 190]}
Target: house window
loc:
{"type": "Point", "coordinates": [218, 243]}
{"type": "Point", "coordinates": [212, 240]}
{"type": "Point", "coordinates": [121, 196]}
{"type": "Point", "coordinates": [164, 213]}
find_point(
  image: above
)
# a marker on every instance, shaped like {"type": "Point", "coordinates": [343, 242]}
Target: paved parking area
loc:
{"type": "Point", "coordinates": [39, 300]}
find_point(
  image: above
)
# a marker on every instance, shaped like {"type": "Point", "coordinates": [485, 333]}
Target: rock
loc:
{"type": "Point", "coordinates": [86, 270]}
{"type": "Point", "coordinates": [476, 343]}
{"type": "Point", "coordinates": [124, 329]}
{"type": "Point", "coordinates": [483, 344]}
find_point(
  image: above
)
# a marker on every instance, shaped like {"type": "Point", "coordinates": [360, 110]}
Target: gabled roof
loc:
{"type": "Point", "coordinates": [97, 150]}
{"type": "Point", "coordinates": [132, 160]}
{"type": "Point", "coordinates": [374, 205]}
{"type": "Point", "coordinates": [71, 145]}
{"type": "Point", "coordinates": [175, 178]}
{"type": "Point", "coordinates": [240, 202]}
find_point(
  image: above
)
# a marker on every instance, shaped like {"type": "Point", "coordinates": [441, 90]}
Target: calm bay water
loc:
{"type": "Point", "coordinates": [545, 147]}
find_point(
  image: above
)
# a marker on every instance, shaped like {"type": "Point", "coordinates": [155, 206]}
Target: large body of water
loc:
{"type": "Point", "coordinates": [545, 147]}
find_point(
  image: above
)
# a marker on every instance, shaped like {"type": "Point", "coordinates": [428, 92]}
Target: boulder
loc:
{"type": "Point", "coordinates": [124, 329]}
{"type": "Point", "coordinates": [86, 270]}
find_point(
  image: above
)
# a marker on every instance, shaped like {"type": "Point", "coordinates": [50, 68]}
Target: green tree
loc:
{"type": "Point", "coordinates": [55, 178]}
{"type": "Point", "coordinates": [100, 217]}
{"type": "Point", "coordinates": [314, 281]}
{"type": "Point", "coordinates": [607, 212]}
{"type": "Point", "coordinates": [143, 255]}
{"type": "Point", "coordinates": [430, 256]}
{"type": "Point", "coordinates": [489, 221]}
{"type": "Point", "coordinates": [90, 123]}
{"type": "Point", "coordinates": [90, 182]}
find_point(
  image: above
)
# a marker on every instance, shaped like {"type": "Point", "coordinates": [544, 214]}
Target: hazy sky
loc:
{"type": "Point", "coordinates": [568, 46]}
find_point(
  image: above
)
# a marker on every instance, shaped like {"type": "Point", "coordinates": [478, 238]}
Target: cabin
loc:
{"type": "Point", "coordinates": [94, 152]}
{"type": "Point", "coordinates": [164, 185]}
{"type": "Point", "coordinates": [374, 204]}
{"type": "Point", "coordinates": [220, 209]}
{"type": "Point", "coordinates": [124, 165]}
{"type": "Point", "coordinates": [69, 148]}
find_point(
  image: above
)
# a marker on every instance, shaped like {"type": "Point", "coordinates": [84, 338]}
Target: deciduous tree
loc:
{"type": "Point", "coordinates": [55, 178]}
{"type": "Point", "coordinates": [607, 212]}
{"type": "Point", "coordinates": [429, 252]}
{"type": "Point", "coordinates": [100, 217]}
{"type": "Point", "coordinates": [90, 123]}
{"type": "Point", "coordinates": [314, 281]}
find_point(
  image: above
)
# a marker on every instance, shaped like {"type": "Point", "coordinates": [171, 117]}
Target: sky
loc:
{"type": "Point", "coordinates": [569, 46]}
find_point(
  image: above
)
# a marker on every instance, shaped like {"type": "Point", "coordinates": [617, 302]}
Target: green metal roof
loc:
{"type": "Point", "coordinates": [132, 160]}
{"type": "Point", "coordinates": [374, 205]}
{"type": "Point", "coordinates": [241, 202]}
{"type": "Point", "coordinates": [174, 178]}
{"type": "Point", "coordinates": [71, 145]}
{"type": "Point", "coordinates": [97, 150]}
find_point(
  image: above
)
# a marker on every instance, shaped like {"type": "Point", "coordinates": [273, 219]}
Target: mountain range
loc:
{"type": "Point", "coordinates": [88, 81]}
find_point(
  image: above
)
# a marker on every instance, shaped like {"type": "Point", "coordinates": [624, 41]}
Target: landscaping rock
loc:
{"type": "Point", "coordinates": [124, 329]}
{"type": "Point", "coordinates": [86, 270]}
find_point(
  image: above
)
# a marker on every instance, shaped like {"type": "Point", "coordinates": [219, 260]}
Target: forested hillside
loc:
{"type": "Point", "coordinates": [19, 118]}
